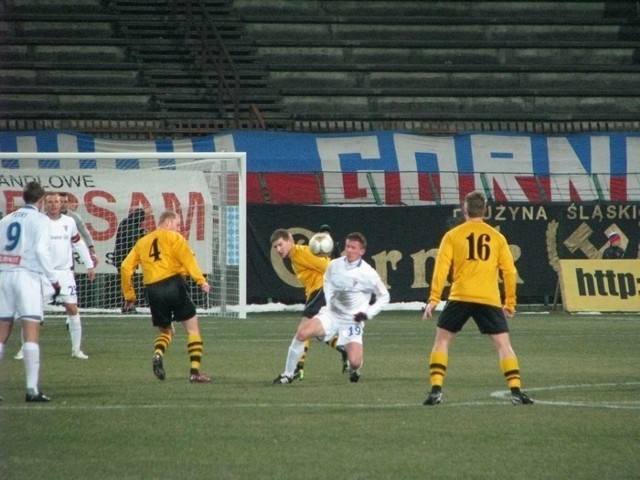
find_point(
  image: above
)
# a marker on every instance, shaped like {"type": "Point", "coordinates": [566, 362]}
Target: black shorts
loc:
{"type": "Point", "coordinates": [489, 319]}
{"type": "Point", "coordinates": [169, 301]}
{"type": "Point", "coordinates": [314, 304]}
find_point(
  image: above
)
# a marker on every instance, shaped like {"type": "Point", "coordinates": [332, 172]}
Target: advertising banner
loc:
{"type": "Point", "coordinates": [403, 242]}
{"type": "Point", "coordinates": [600, 285]}
{"type": "Point", "coordinates": [104, 198]}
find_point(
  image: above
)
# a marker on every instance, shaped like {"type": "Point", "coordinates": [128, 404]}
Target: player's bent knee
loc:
{"type": "Point", "coordinates": [308, 329]}
{"type": "Point", "coordinates": [303, 336]}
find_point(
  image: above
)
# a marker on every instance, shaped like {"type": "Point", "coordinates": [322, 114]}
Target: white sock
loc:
{"type": "Point", "coordinates": [1, 351]}
{"type": "Point", "coordinates": [32, 366]}
{"type": "Point", "coordinates": [296, 350]}
{"type": "Point", "coordinates": [75, 331]}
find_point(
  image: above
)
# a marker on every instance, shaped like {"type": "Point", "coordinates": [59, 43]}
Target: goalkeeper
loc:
{"type": "Point", "coordinates": [129, 232]}
{"type": "Point", "coordinates": [309, 269]}
{"type": "Point", "coordinates": [166, 259]}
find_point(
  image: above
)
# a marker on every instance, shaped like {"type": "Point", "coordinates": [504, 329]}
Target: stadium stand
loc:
{"type": "Point", "coordinates": [158, 67]}
{"type": "Point", "coordinates": [342, 61]}
{"type": "Point", "coordinates": [154, 66]}
{"type": "Point", "coordinates": [64, 61]}
{"type": "Point", "coordinates": [195, 58]}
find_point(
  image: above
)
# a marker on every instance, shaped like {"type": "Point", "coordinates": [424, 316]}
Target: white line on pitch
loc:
{"type": "Point", "coordinates": [621, 405]}
{"type": "Point", "coordinates": [501, 394]}
{"type": "Point", "coordinates": [213, 405]}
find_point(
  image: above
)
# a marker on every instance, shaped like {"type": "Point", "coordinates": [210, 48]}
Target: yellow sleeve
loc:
{"type": "Point", "coordinates": [441, 269]}
{"type": "Point", "coordinates": [509, 276]}
{"type": "Point", "coordinates": [188, 258]}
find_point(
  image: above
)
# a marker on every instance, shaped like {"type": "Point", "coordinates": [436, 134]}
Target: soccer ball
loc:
{"type": "Point", "coordinates": [321, 244]}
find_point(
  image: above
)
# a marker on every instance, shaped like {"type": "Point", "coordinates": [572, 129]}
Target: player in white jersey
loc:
{"type": "Point", "coordinates": [65, 239]}
{"type": "Point", "coordinates": [349, 282]}
{"type": "Point", "coordinates": [82, 227]}
{"type": "Point", "coordinates": [27, 280]}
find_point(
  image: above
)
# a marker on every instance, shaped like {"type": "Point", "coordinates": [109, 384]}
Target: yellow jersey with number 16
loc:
{"type": "Point", "coordinates": [476, 254]}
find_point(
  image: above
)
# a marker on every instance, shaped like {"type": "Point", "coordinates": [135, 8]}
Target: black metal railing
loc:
{"type": "Point", "coordinates": [214, 54]}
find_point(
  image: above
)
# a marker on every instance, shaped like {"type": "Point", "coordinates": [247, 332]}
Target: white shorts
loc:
{"type": "Point", "coordinates": [22, 295]}
{"type": "Point", "coordinates": [68, 291]}
{"type": "Point", "coordinates": [347, 329]}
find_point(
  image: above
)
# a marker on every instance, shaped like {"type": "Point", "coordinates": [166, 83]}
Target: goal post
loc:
{"type": "Point", "coordinates": [120, 195]}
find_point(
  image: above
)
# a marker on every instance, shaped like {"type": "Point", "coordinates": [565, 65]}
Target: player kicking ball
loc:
{"type": "Point", "coordinates": [349, 282]}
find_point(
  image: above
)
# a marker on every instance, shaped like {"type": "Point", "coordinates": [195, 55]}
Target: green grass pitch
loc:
{"type": "Point", "coordinates": [110, 418]}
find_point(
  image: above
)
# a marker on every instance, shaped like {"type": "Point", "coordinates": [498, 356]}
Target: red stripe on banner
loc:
{"type": "Point", "coordinates": [351, 189]}
{"type": "Point", "coordinates": [539, 191]}
{"type": "Point", "coordinates": [574, 195]}
{"type": "Point", "coordinates": [300, 188]}
{"type": "Point", "coordinates": [429, 186]}
{"type": "Point", "coordinates": [306, 188]}
{"type": "Point", "coordinates": [467, 185]}
{"type": "Point", "coordinates": [619, 189]}
{"type": "Point", "coordinates": [393, 188]}
{"type": "Point", "coordinates": [498, 194]}
{"type": "Point", "coordinates": [254, 190]}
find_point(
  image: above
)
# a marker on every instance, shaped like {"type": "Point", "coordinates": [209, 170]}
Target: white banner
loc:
{"type": "Point", "coordinates": [104, 198]}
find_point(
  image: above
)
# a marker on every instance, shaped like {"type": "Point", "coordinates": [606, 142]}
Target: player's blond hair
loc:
{"type": "Point", "coordinates": [167, 215]}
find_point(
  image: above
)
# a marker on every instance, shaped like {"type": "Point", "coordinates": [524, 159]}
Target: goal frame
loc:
{"type": "Point", "coordinates": [147, 158]}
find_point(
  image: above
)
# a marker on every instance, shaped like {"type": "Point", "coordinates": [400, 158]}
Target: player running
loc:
{"type": "Point", "coordinates": [166, 259]}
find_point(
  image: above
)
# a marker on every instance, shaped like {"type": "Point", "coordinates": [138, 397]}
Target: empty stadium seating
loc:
{"type": "Point", "coordinates": [176, 67]}
{"type": "Point", "coordinates": [63, 59]}
{"type": "Point", "coordinates": [542, 61]}
{"type": "Point", "coordinates": [165, 37]}
{"type": "Point", "coordinates": [125, 60]}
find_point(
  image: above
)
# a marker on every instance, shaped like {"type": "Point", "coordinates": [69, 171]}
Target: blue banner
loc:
{"type": "Point", "coordinates": [401, 168]}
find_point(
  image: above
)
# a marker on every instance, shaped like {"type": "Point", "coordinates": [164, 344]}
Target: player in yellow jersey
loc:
{"type": "Point", "coordinates": [309, 269]}
{"type": "Point", "coordinates": [166, 260]}
{"type": "Point", "coordinates": [475, 253]}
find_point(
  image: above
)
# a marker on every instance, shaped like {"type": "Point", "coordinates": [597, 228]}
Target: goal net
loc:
{"type": "Point", "coordinates": [119, 196]}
